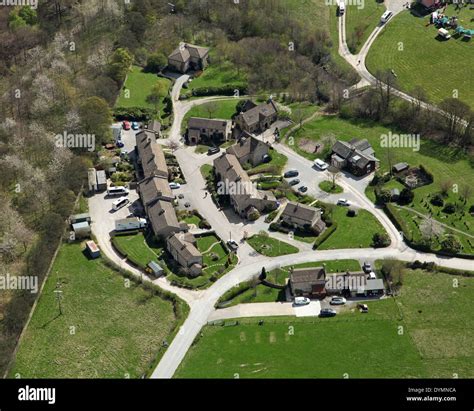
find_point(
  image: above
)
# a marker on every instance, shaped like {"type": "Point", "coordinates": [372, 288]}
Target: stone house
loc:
{"type": "Point", "coordinates": [209, 131]}
{"type": "Point", "coordinates": [188, 57]}
{"type": "Point", "coordinates": [303, 217]}
{"type": "Point", "coordinates": [258, 118]}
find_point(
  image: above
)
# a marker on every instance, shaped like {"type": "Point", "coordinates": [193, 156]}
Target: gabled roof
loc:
{"type": "Point", "coordinates": [357, 152]}
{"type": "Point", "coordinates": [154, 188]}
{"type": "Point", "coordinates": [185, 51]}
{"type": "Point", "coordinates": [151, 154]}
{"type": "Point", "coordinates": [301, 211]}
{"type": "Point", "coordinates": [304, 277]}
{"type": "Point", "coordinates": [155, 126]}
{"type": "Point", "coordinates": [245, 146]}
{"type": "Point", "coordinates": [200, 123]}
{"type": "Point", "coordinates": [162, 215]}
{"type": "Point", "coordinates": [255, 114]}
{"type": "Point", "coordinates": [183, 245]}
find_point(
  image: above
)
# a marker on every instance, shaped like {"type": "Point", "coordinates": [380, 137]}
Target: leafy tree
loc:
{"type": "Point", "coordinates": [96, 118]}
{"type": "Point", "coordinates": [156, 62]}
{"type": "Point", "coordinates": [158, 92]}
{"type": "Point", "coordinates": [120, 64]}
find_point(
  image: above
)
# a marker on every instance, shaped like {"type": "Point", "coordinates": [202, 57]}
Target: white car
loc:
{"type": "Point", "coordinates": [343, 202]}
{"type": "Point", "coordinates": [302, 301]}
{"type": "Point", "coordinates": [175, 185]}
{"type": "Point", "coordinates": [386, 16]}
{"type": "Point", "coordinates": [118, 204]}
{"type": "Point", "coordinates": [337, 301]}
{"type": "Point", "coordinates": [320, 164]}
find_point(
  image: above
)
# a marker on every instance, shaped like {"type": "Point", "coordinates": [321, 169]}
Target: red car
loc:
{"type": "Point", "coordinates": [126, 125]}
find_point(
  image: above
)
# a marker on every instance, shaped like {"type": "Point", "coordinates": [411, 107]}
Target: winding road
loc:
{"type": "Point", "coordinates": [202, 302]}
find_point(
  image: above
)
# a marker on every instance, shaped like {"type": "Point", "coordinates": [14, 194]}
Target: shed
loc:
{"type": "Point", "coordinates": [399, 167]}
{"type": "Point", "coordinates": [101, 180]}
{"type": "Point", "coordinates": [92, 180]}
{"type": "Point", "coordinates": [79, 218]}
{"type": "Point", "coordinates": [82, 229]}
{"type": "Point", "coordinates": [374, 287]}
{"type": "Point", "coordinates": [92, 249]}
{"type": "Point", "coordinates": [154, 268]}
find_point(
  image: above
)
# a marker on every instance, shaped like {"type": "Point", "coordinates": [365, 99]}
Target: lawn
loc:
{"type": "Point", "coordinates": [352, 232]}
{"type": "Point", "coordinates": [206, 170]}
{"type": "Point", "coordinates": [417, 63]}
{"type": "Point", "coordinates": [328, 187]}
{"type": "Point", "coordinates": [274, 166]}
{"type": "Point", "coordinates": [437, 341]}
{"type": "Point", "coordinates": [270, 247]}
{"type": "Point", "coordinates": [139, 85]}
{"type": "Point", "coordinates": [137, 249]}
{"type": "Point", "coordinates": [216, 263]}
{"type": "Point", "coordinates": [447, 164]}
{"type": "Point", "coordinates": [216, 75]}
{"type": "Point", "coordinates": [361, 21]}
{"type": "Point", "coordinates": [106, 330]}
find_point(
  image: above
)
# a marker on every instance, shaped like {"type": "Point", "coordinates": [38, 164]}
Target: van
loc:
{"type": "Point", "coordinates": [386, 16]}
{"type": "Point", "coordinates": [342, 8]}
{"type": "Point", "coordinates": [320, 164]}
{"type": "Point", "coordinates": [444, 33]}
{"type": "Point", "coordinates": [117, 191]}
{"type": "Point", "coordinates": [118, 204]}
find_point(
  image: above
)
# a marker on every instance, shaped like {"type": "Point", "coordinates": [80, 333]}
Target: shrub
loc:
{"type": "Point", "coordinates": [437, 200]}
{"type": "Point", "coordinates": [449, 208]}
{"type": "Point", "coordinates": [380, 240]}
{"type": "Point", "coordinates": [406, 196]}
{"type": "Point", "coordinates": [451, 243]}
{"type": "Point", "coordinates": [325, 235]}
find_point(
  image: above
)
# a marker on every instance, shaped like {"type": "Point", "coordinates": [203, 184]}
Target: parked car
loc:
{"type": "Point", "coordinates": [320, 164]}
{"type": "Point", "coordinates": [126, 125]}
{"type": "Point", "coordinates": [327, 312]}
{"type": "Point", "coordinates": [363, 308]}
{"type": "Point", "coordinates": [386, 16]}
{"type": "Point", "coordinates": [294, 182]}
{"type": "Point", "coordinates": [119, 143]}
{"type": "Point", "coordinates": [291, 173]}
{"type": "Point", "coordinates": [187, 204]}
{"type": "Point", "coordinates": [337, 301]}
{"type": "Point", "coordinates": [135, 125]}
{"type": "Point", "coordinates": [367, 267]}
{"type": "Point", "coordinates": [303, 189]}
{"type": "Point", "coordinates": [174, 185]}
{"type": "Point", "coordinates": [343, 202]}
{"type": "Point", "coordinates": [267, 158]}
{"type": "Point", "coordinates": [302, 301]}
{"type": "Point", "coordinates": [372, 276]}
{"type": "Point", "coordinates": [232, 244]}
{"type": "Point", "coordinates": [213, 150]}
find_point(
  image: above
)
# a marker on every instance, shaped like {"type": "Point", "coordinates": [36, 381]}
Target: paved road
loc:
{"type": "Point", "coordinates": [202, 302]}
{"type": "Point", "coordinates": [266, 310]}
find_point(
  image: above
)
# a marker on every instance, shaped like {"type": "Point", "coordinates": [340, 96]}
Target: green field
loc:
{"type": "Point", "coordinates": [361, 21]}
{"type": "Point", "coordinates": [439, 67]}
{"type": "Point", "coordinates": [217, 74]}
{"type": "Point", "coordinates": [328, 187]}
{"type": "Point", "coordinates": [137, 249]}
{"type": "Point", "coordinates": [436, 340]}
{"type": "Point", "coordinates": [446, 163]}
{"type": "Point", "coordinates": [274, 166]}
{"type": "Point", "coordinates": [139, 84]}
{"type": "Point", "coordinates": [352, 232]}
{"type": "Point", "coordinates": [117, 329]}
{"type": "Point", "coordinates": [270, 247]}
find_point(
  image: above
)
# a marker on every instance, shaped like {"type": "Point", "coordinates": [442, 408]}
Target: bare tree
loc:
{"type": "Point", "coordinates": [210, 108]}
{"type": "Point", "coordinates": [334, 173]}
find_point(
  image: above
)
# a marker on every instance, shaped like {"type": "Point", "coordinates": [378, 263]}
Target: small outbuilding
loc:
{"type": "Point", "coordinates": [82, 229]}
{"type": "Point", "coordinates": [79, 218]}
{"type": "Point", "coordinates": [154, 268]}
{"type": "Point", "coordinates": [93, 249]}
{"type": "Point", "coordinates": [399, 167]}
{"type": "Point", "coordinates": [101, 180]}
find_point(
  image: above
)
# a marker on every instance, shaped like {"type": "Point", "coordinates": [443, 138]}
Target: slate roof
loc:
{"type": "Point", "coordinates": [206, 123]}
{"type": "Point", "coordinates": [301, 211]}
{"type": "Point", "coordinates": [254, 115]}
{"type": "Point", "coordinates": [184, 53]}
{"type": "Point", "coordinates": [245, 146]}
{"type": "Point", "coordinates": [304, 277]}
{"type": "Point", "coordinates": [183, 246]}
{"type": "Point", "coordinates": [151, 154]}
